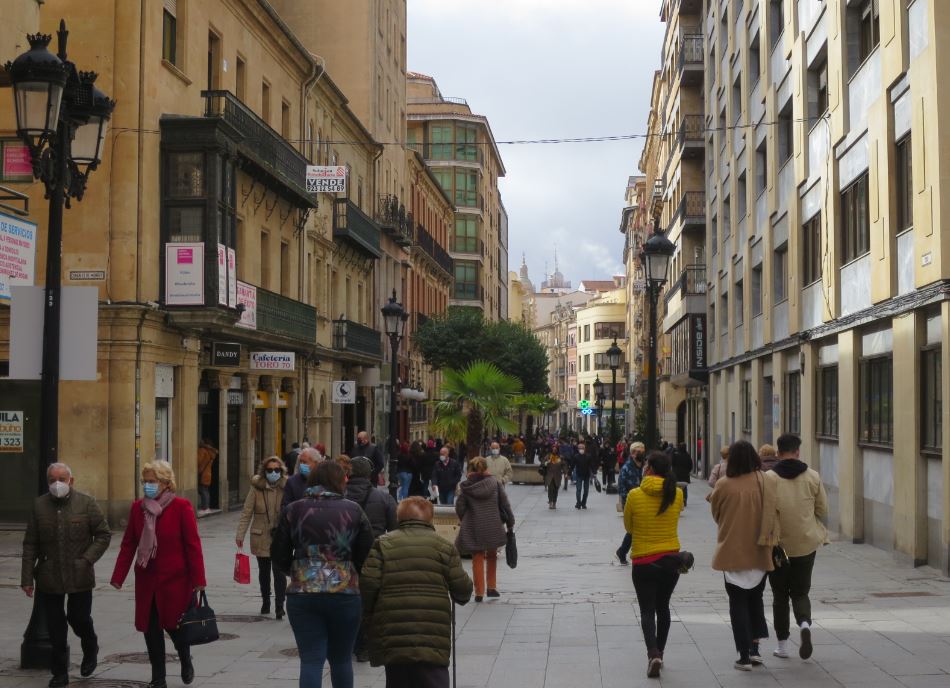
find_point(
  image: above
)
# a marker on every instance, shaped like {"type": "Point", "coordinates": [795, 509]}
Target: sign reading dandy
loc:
{"type": "Point", "coordinates": [272, 360]}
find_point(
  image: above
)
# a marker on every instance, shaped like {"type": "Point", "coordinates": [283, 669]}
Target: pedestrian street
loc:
{"type": "Point", "coordinates": [566, 617]}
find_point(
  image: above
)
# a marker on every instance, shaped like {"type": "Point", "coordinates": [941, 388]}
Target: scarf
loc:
{"type": "Point", "coordinates": [148, 543]}
{"type": "Point", "coordinates": [321, 491]}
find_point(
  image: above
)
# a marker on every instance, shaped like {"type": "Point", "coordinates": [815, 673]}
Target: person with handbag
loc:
{"type": "Point", "coordinates": [551, 471]}
{"type": "Point", "coordinates": [409, 583]}
{"type": "Point", "coordinates": [802, 503]}
{"type": "Point", "coordinates": [651, 517]}
{"type": "Point", "coordinates": [162, 540]}
{"type": "Point", "coordinates": [321, 542]}
{"type": "Point", "coordinates": [743, 506]}
{"type": "Point", "coordinates": [484, 512]}
{"type": "Point", "coordinates": [261, 510]}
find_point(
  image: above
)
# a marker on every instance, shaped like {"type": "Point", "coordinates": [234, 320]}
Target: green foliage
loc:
{"type": "Point", "coordinates": [474, 400]}
{"type": "Point", "coordinates": [462, 336]}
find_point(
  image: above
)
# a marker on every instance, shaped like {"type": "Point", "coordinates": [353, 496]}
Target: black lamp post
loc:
{"type": "Point", "coordinates": [394, 319]}
{"type": "Point", "coordinates": [656, 255]}
{"type": "Point", "coordinates": [599, 400]}
{"type": "Point", "coordinates": [614, 354]}
{"type": "Point", "coordinates": [62, 117]}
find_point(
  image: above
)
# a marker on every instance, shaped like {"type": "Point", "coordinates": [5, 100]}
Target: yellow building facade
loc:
{"type": "Point", "coordinates": [600, 322]}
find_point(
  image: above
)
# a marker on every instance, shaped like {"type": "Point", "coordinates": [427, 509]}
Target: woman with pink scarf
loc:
{"type": "Point", "coordinates": [162, 541]}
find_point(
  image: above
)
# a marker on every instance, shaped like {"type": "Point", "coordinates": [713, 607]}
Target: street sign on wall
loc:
{"type": "Point", "coordinates": [344, 392]}
{"type": "Point", "coordinates": [326, 179]}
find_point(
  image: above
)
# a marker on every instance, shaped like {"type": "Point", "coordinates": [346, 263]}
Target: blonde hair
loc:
{"type": "Point", "coordinates": [478, 465]}
{"type": "Point", "coordinates": [724, 452]}
{"type": "Point", "coordinates": [767, 450]}
{"type": "Point", "coordinates": [163, 472]}
{"type": "Point", "coordinates": [414, 509]}
{"type": "Point", "coordinates": [638, 446]}
{"type": "Point", "coordinates": [345, 463]}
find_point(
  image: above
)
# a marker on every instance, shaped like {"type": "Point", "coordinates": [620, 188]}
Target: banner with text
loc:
{"type": "Point", "coordinates": [272, 360]}
{"type": "Point", "coordinates": [184, 274]}
{"type": "Point", "coordinates": [326, 179]}
{"type": "Point", "coordinates": [17, 253]}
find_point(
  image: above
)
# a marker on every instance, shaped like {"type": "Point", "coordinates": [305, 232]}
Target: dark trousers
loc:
{"type": "Point", "coordinates": [553, 487]}
{"type": "Point", "coordinates": [325, 627]}
{"type": "Point", "coordinates": [264, 569]}
{"type": "Point", "coordinates": [626, 544]}
{"type": "Point", "coordinates": [155, 643]}
{"type": "Point", "coordinates": [685, 488]}
{"type": "Point", "coordinates": [417, 676]}
{"type": "Point", "coordinates": [791, 582]}
{"type": "Point", "coordinates": [75, 610]}
{"type": "Point", "coordinates": [582, 484]}
{"type": "Point", "coordinates": [654, 585]}
{"type": "Point", "coordinates": [747, 614]}
{"type": "Point", "coordinates": [204, 496]}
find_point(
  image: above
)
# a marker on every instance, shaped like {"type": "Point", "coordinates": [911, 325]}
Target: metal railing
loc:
{"type": "Point", "coordinates": [428, 244]}
{"type": "Point", "coordinates": [691, 129]}
{"type": "Point", "coordinates": [471, 245]}
{"type": "Point", "coordinates": [352, 224]}
{"type": "Point", "coordinates": [391, 215]}
{"type": "Point", "coordinates": [284, 316]}
{"type": "Point", "coordinates": [260, 143]}
{"type": "Point", "coordinates": [691, 282]}
{"type": "Point", "coordinates": [691, 51]}
{"type": "Point", "coordinates": [352, 337]}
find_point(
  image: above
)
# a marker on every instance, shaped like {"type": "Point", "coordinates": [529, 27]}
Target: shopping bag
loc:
{"type": "Point", "coordinates": [511, 550]}
{"type": "Point", "coordinates": [242, 568]}
{"type": "Point", "coordinates": [198, 625]}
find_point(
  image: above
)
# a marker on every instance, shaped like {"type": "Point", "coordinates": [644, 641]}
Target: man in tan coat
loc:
{"type": "Point", "coordinates": [498, 465]}
{"type": "Point", "coordinates": [802, 504]}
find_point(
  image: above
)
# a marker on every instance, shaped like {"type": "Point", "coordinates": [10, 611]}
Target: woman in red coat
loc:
{"type": "Point", "coordinates": [162, 540]}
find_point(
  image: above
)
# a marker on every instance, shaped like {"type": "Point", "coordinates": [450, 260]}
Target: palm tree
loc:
{"type": "Point", "coordinates": [537, 405]}
{"type": "Point", "coordinates": [475, 400]}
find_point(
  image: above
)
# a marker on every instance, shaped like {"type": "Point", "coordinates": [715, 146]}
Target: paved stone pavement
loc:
{"type": "Point", "coordinates": [567, 617]}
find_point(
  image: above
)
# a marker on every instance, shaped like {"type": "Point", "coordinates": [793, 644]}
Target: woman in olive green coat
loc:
{"type": "Point", "coordinates": [261, 511]}
{"type": "Point", "coordinates": [406, 583]}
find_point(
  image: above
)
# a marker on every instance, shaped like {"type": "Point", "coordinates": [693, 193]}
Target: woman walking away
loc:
{"type": "Point", "coordinates": [719, 469]}
{"type": "Point", "coordinates": [483, 509]}
{"type": "Point", "coordinates": [651, 517]}
{"type": "Point", "coordinates": [261, 511]}
{"type": "Point", "coordinates": [330, 537]}
{"type": "Point", "coordinates": [162, 540]}
{"type": "Point", "coordinates": [631, 474]}
{"type": "Point", "coordinates": [744, 508]}
{"type": "Point", "coordinates": [553, 469]}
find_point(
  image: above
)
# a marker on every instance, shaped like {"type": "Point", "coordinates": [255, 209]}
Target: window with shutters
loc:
{"type": "Point", "coordinates": [170, 32]}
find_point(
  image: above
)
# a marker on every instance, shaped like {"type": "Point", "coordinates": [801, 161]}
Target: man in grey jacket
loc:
{"type": "Point", "coordinates": [802, 504]}
{"type": "Point", "coordinates": [65, 536]}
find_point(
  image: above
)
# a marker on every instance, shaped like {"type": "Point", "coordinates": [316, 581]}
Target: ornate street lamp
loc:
{"type": "Point", "coordinates": [394, 320]}
{"type": "Point", "coordinates": [599, 400]}
{"type": "Point", "coordinates": [614, 354]}
{"type": "Point", "coordinates": [656, 255]}
{"type": "Point", "coordinates": [62, 118]}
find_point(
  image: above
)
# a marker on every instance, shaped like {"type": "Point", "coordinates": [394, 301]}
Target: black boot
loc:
{"type": "Point", "coordinates": [90, 657]}
{"type": "Point", "coordinates": [265, 608]}
{"type": "Point", "coordinates": [187, 668]}
{"type": "Point", "coordinates": [157, 683]}
{"type": "Point", "coordinates": [59, 680]}
{"type": "Point", "coordinates": [279, 610]}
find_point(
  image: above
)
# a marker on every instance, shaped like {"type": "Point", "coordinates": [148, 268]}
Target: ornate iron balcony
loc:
{"type": "Point", "coordinates": [349, 336]}
{"type": "Point", "coordinates": [284, 316]}
{"type": "Point", "coordinates": [354, 226]}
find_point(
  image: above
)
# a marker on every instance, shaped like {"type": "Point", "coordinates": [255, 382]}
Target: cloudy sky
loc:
{"type": "Point", "coordinates": [551, 69]}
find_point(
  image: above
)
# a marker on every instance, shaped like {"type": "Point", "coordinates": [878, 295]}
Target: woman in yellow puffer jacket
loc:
{"type": "Point", "coordinates": [651, 516]}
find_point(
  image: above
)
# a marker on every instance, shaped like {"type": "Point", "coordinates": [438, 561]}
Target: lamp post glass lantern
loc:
{"type": "Point", "coordinates": [656, 255]}
{"type": "Point", "coordinates": [599, 401]}
{"type": "Point", "coordinates": [614, 354]}
{"type": "Point", "coordinates": [394, 320]}
{"type": "Point", "coordinates": [62, 118]}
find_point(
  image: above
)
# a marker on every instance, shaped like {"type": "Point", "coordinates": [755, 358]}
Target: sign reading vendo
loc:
{"type": "Point", "coordinates": [272, 360]}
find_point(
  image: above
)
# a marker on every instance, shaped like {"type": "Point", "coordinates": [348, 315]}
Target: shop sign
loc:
{"type": "Point", "coordinates": [246, 295]}
{"type": "Point", "coordinates": [222, 275]}
{"type": "Point", "coordinates": [17, 162]}
{"type": "Point", "coordinates": [232, 278]}
{"type": "Point", "coordinates": [235, 397]}
{"type": "Point", "coordinates": [698, 342]}
{"type": "Point", "coordinates": [343, 392]}
{"type": "Point", "coordinates": [164, 381]}
{"type": "Point", "coordinates": [261, 400]}
{"type": "Point", "coordinates": [184, 274]}
{"type": "Point", "coordinates": [225, 354]}
{"type": "Point", "coordinates": [326, 179]}
{"type": "Point", "coordinates": [17, 253]}
{"type": "Point", "coordinates": [272, 360]}
{"type": "Point", "coordinates": [283, 400]}
{"type": "Point", "coordinates": [11, 432]}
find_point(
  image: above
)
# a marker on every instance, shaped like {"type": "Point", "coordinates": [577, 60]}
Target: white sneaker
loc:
{"type": "Point", "coordinates": [781, 650]}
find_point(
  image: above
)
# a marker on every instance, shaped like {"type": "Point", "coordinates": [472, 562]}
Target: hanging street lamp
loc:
{"type": "Point", "coordinates": [656, 255]}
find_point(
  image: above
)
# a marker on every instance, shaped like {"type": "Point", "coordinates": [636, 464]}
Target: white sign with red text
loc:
{"type": "Point", "coordinates": [17, 253]}
{"type": "Point", "coordinates": [326, 179]}
{"type": "Point", "coordinates": [246, 295]}
{"type": "Point", "coordinates": [184, 274]}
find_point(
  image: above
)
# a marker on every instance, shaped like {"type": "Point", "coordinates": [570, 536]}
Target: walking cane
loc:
{"type": "Point", "coordinates": [454, 678]}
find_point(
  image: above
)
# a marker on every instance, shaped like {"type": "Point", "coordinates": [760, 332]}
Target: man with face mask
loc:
{"type": "Point", "coordinates": [365, 448]}
{"type": "Point", "coordinates": [446, 475]}
{"type": "Point", "coordinates": [65, 536]}
{"type": "Point", "coordinates": [498, 465]}
{"type": "Point", "coordinates": [296, 487]}
{"type": "Point", "coordinates": [584, 465]}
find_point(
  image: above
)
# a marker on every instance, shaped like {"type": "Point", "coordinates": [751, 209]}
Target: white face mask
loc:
{"type": "Point", "coordinates": [495, 452]}
{"type": "Point", "coordinates": [59, 489]}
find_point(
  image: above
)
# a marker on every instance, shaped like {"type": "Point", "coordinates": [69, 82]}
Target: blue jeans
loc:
{"type": "Point", "coordinates": [583, 487]}
{"type": "Point", "coordinates": [447, 497]}
{"type": "Point", "coordinates": [325, 628]}
{"type": "Point", "coordinates": [405, 478]}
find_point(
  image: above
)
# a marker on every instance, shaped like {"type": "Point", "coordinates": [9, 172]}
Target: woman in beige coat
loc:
{"type": "Point", "coordinates": [744, 507]}
{"type": "Point", "coordinates": [261, 511]}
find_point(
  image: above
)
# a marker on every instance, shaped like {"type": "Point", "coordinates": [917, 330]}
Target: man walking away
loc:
{"type": "Point", "coordinates": [365, 448]}
{"type": "Point", "coordinates": [206, 456]}
{"type": "Point", "coordinates": [802, 504]}
{"type": "Point", "coordinates": [498, 465]}
{"type": "Point", "coordinates": [583, 463]}
{"type": "Point", "coordinates": [290, 458]}
{"type": "Point", "coordinates": [446, 475]}
{"type": "Point", "coordinates": [67, 534]}
{"type": "Point", "coordinates": [682, 467]}
{"type": "Point", "coordinates": [410, 575]}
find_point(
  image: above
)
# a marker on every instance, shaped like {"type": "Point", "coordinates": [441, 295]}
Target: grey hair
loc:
{"type": "Point", "coordinates": [311, 453]}
{"type": "Point", "coordinates": [59, 467]}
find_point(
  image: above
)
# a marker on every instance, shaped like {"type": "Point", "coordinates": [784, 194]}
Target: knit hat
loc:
{"type": "Point", "coordinates": [360, 467]}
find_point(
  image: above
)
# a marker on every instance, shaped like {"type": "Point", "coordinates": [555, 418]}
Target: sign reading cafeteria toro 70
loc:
{"type": "Point", "coordinates": [272, 360]}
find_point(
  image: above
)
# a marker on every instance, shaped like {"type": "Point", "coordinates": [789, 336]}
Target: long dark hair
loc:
{"type": "Point", "coordinates": [743, 458]}
{"type": "Point", "coordinates": [659, 464]}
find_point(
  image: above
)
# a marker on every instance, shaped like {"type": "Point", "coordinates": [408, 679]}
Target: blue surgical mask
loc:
{"type": "Point", "coordinates": [273, 476]}
{"type": "Point", "coordinates": [150, 490]}
{"type": "Point", "coordinates": [305, 469]}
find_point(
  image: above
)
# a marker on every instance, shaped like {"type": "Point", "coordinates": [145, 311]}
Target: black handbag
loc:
{"type": "Point", "coordinates": [779, 557]}
{"type": "Point", "coordinates": [198, 625]}
{"type": "Point", "coordinates": [511, 550]}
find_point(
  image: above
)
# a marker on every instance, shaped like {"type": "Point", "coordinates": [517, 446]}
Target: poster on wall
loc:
{"type": "Point", "coordinates": [222, 275]}
{"type": "Point", "coordinates": [17, 253]}
{"type": "Point", "coordinates": [246, 295]}
{"type": "Point", "coordinates": [184, 274]}
{"type": "Point", "coordinates": [232, 278]}
{"type": "Point", "coordinates": [17, 162]}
